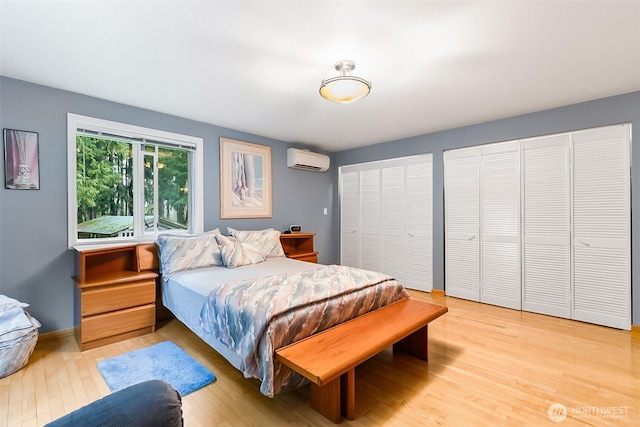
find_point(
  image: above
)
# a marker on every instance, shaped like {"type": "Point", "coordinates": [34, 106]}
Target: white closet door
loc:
{"type": "Point", "coordinates": [386, 218]}
{"type": "Point", "coordinates": [350, 218]}
{"type": "Point", "coordinates": [500, 225]}
{"type": "Point", "coordinates": [546, 193]}
{"type": "Point", "coordinates": [392, 222]}
{"type": "Point", "coordinates": [602, 227]}
{"type": "Point", "coordinates": [370, 236]}
{"type": "Point", "coordinates": [419, 224]}
{"type": "Point", "coordinates": [462, 227]}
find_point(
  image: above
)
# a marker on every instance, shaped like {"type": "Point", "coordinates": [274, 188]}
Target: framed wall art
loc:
{"type": "Point", "coordinates": [21, 160]}
{"type": "Point", "coordinates": [245, 180]}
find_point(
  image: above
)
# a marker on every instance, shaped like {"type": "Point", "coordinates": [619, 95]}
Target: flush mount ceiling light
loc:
{"type": "Point", "coordinates": [345, 88]}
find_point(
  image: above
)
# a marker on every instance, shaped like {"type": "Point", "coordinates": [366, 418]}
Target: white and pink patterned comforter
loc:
{"type": "Point", "coordinates": [255, 317]}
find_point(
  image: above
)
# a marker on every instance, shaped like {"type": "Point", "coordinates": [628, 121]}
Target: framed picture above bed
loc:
{"type": "Point", "coordinates": [245, 180]}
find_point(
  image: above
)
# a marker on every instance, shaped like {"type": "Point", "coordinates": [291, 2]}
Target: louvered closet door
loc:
{"type": "Point", "coordinates": [601, 228]}
{"type": "Point", "coordinates": [419, 224]}
{"type": "Point", "coordinates": [386, 218]}
{"type": "Point", "coordinates": [546, 201]}
{"type": "Point", "coordinates": [350, 218]}
{"type": "Point", "coordinates": [392, 222]}
{"type": "Point", "coordinates": [500, 225]}
{"type": "Point", "coordinates": [370, 236]}
{"type": "Point", "coordinates": [462, 227]}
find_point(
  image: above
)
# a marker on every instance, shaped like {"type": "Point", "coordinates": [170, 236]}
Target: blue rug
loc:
{"type": "Point", "coordinates": [163, 361]}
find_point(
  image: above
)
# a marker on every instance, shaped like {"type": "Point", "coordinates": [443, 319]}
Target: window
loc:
{"type": "Point", "coordinates": [128, 183]}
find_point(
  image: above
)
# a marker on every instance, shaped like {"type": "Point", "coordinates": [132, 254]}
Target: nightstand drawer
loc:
{"type": "Point", "coordinates": [118, 322]}
{"type": "Point", "coordinates": [105, 299]}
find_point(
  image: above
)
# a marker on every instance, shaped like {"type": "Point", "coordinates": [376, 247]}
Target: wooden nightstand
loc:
{"type": "Point", "coordinates": [114, 300]}
{"type": "Point", "coordinates": [299, 246]}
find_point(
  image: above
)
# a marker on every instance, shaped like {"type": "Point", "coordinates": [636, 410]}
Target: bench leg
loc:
{"type": "Point", "coordinates": [336, 399]}
{"type": "Point", "coordinates": [415, 344]}
{"type": "Point", "coordinates": [326, 400]}
{"type": "Point", "coordinates": [348, 394]}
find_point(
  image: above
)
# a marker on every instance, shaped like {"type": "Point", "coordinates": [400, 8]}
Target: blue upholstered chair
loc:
{"type": "Point", "coordinates": [149, 404]}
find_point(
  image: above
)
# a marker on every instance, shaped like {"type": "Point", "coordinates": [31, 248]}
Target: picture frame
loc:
{"type": "Point", "coordinates": [21, 160]}
{"type": "Point", "coordinates": [245, 180]}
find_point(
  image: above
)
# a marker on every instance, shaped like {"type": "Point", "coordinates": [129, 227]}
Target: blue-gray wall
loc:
{"type": "Point", "coordinates": [35, 264]}
{"type": "Point", "coordinates": [602, 112]}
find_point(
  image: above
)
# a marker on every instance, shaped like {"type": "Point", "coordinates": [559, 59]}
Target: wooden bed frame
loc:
{"type": "Point", "coordinates": [328, 358]}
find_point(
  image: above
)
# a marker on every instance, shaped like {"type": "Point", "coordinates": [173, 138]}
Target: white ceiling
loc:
{"type": "Point", "coordinates": [256, 66]}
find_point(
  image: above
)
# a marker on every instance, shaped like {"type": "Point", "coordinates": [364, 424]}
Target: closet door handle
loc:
{"type": "Point", "coordinates": [471, 238]}
{"type": "Point", "coordinates": [583, 243]}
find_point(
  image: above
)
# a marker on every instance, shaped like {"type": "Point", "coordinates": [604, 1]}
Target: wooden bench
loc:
{"type": "Point", "coordinates": [328, 359]}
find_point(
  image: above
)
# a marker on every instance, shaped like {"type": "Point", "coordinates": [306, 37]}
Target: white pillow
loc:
{"type": "Point", "coordinates": [186, 252]}
{"type": "Point", "coordinates": [267, 240]}
{"type": "Point", "coordinates": [236, 254]}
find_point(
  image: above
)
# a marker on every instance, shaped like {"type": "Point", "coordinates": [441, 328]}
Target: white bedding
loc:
{"type": "Point", "coordinates": [185, 292]}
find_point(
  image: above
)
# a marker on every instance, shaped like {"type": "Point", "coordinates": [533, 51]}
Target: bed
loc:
{"type": "Point", "coordinates": [245, 299]}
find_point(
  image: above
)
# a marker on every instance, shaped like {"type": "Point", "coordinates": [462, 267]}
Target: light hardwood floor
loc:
{"type": "Point", "coordinates": [488, 366]}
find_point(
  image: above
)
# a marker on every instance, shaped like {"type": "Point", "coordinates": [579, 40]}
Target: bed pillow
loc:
{"type": "Point", "coordinates": [186, 252]}
{"type": "Point", "coordinates": [236, 254]}
{"type": "Point", "coordinates": [267, 240]}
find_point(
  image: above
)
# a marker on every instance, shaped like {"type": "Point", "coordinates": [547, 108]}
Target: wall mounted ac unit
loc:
{"type": "Point", "coordinates": [307, 160]}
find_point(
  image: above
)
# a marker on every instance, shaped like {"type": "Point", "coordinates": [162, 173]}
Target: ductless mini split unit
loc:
{"type": "Point", "coordinates": [307, 160]}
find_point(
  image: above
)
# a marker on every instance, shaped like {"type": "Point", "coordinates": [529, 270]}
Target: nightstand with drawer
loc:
{"type": "Point", "coordinates": [299, 246]}
{"type": "Point", "coordinates": [114, 300]}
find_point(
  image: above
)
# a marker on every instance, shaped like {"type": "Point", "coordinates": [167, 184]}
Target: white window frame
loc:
{"type": "Point", "coordinates": [196, 181]}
